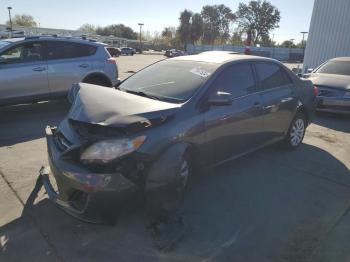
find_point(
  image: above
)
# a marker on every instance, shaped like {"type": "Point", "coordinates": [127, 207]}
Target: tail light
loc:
{"type": "Point", "coordinates": [111, 61]}
{"type": "Point", "coordinates": [315, 90]}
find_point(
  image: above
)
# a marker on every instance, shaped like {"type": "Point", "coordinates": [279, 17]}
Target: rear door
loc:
{"type": "Point", "coordinates": [24, 75]}
{"type": "Point", "coordinates": [68, 63]}
{"type": "Point", "coordinates": [237, 128]}
{"type": "Point", "coordinates": [278, 98]}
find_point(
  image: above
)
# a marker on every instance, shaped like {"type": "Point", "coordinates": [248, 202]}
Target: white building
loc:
{"type": "Point", "coordinates": [329, 34]}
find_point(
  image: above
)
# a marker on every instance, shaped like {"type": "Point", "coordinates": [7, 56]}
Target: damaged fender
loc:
{"type": "Point", "coordinates": [165, 171]}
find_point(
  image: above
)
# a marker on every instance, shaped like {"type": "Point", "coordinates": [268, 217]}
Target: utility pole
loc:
{"type": "Point", "coordinates": [9, 8]}
{"type": "Point", "coordinates": [303, 43]}
{"type": "Point", "coordinates": [273, 46]}
{"type": "Point", "coordinates": [140, 24]}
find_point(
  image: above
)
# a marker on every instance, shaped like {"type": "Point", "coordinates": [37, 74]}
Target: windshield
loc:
{"type": "Point", "coordinates": [3, 44]}
{"type": "Point", "coordinates": [335, 68]}
{"type": "Point", "coordinates": [172, 81]}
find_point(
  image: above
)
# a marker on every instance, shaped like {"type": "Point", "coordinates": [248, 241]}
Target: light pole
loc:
{"type": "Point", "coordinates": [303, 43]}
{"type": "Point", "coordinates": [140, 24]}
{"type": "Point", "coordinates": [9, 8]}
{"type": "Point", "coordinates": [273, 46]}
{"type": "Point", "coordinates": [290, 48]}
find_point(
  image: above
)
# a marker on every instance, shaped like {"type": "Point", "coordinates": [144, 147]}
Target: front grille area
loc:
{"type": "Point", "coordinates": [62, 142]}
{"type": "Point", "coordinates": [89, 131]}
{"type": "Point", "coordinates": [78, 200]}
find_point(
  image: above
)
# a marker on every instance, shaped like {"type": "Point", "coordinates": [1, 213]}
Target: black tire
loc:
{"type": "Point", "coordinates": [296, 132]}
{"type": "Point", "coordinates": [97, 81]}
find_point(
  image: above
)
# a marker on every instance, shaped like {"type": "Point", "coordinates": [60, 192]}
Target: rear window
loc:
{"type": "Point", "coordinates": [335, 68]}
{"type": "Point", "coordinates": [64, 50]}
{"type": "Point", "coordinates": [271, 76]}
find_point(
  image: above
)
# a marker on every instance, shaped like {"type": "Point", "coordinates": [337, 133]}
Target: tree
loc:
{"type": "Point", "coordinates": [23, 20]}
{"type": "Point", "coordinates": [236, 39]}
{"type": "Point", "coordinates": [211, 28]}
{"type": "Point", "coordinates": [118, 30]}
{"type": "Point", "coordinates": [185, 26]}
{"type": "Point", "coordinates": [288, 44]}
{"type": "Point", "coordinates": [217, 20]}
{"type": "Point", "coordinates": [260, 17]}
{"type": "Point", "coordinates": [88, 28]}
{"type": "Point", "coordinates": [196, 28]}
{"type": "Point", "coordinates": [225, 18]}
{"type": "Point", "coordinates": [167, 33]}
{"type": "Point", "coordinates": [267, 41]}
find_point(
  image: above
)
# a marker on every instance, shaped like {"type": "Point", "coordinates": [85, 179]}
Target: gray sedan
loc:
{"type": "Point", "coordinates": [333, 82]}
{"type": "Point", "coordinates": [175, 114]}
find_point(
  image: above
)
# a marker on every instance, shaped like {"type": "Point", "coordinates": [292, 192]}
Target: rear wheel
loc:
{"type": "Point", "coordinates": [97, 81]}
{"type": "Point", "coordinates": [296, 131]}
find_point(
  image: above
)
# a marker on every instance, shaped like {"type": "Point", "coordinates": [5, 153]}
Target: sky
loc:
{"type": "Point", "coordinates": [155, 14]}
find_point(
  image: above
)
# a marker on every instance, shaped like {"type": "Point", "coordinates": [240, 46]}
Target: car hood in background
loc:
{"type": "Point", "coordinates": [110, 107]}
{"type": "Point", "coordinates": [329, 80]}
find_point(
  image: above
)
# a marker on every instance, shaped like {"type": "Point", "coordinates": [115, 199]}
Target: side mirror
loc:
{"type": "Point", "coordinates": [118, 83]}
{"type": "Point", "coordinates": [220, 99]}
{"type": "Point", "coordinates": [310, 70]}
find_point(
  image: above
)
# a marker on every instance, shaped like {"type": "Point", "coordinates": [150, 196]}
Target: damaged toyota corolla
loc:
{"type": "Point", "coordinates": [148, 133]}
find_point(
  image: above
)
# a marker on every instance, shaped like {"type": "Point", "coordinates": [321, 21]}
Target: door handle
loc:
{"type": "Point", "coordinates": [287, 99]}
{"type": "Point", "coordinates": [268, 107]}
{"type": "Point", "coordinates": [84, 65]}
{"type": "Point", "coordinates": [39, 69]}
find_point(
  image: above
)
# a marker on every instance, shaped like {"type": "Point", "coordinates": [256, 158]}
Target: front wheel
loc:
{"type": "Point", "coordinates": [296, 132]}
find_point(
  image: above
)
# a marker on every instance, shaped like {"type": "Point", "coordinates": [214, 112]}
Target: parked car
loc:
{"type": "Point", "coordinates": [114, 51]}
{"type": "Point", "coordinates": [43, 67]}
{"type": "Point", "coordinates": [174, 53]}
{"type": "Point", "coordinates": [176, 111]}
{"type": "Point", "coordinates": [15, 33]}
{"type": "Point", "coordinates": [128, 51]}
{"type": "Point", "coordinates": [332, 79]}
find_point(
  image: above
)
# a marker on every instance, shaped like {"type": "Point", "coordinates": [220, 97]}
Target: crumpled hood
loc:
{"type": "Point", "coordinates": [110, 107]}
{"type": "Point", "coordinates": [329, 80]}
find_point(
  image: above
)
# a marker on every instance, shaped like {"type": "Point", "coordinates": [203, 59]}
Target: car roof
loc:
{"type": "Point", "coordinates": [13, 40]}
{"type": "Point", "coordinates": [54, 38]}
{"type": "Point", "coordinates": [219, 57]}
{"type": "Point", "coordinates": [345, 58]}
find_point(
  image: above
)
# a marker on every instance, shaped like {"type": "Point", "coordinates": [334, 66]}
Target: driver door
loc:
{"type": "Point", "coordinates": [236, 128]}
{"type": "Point", "coordinates": [23, 73]}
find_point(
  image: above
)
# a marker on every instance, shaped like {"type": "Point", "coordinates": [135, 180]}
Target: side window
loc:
{"type": "Point", "coordinates": [237, 80]}
{"type": "Point", "coordinates": [64, 50]}
{"type": "Point", "coordinates": [24, 53]}
{"type": "Point", "coordinates": [271, 75]}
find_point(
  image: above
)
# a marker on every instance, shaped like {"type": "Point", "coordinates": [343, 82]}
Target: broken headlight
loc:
{"type": "Point", "coordinates": [105, 151]}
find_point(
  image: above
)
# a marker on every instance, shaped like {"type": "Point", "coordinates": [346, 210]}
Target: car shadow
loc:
{"type": "Point", "coordinates": [336, 122]}
{"type": "Point", "coordinates": [272, 205]}
{"type": "Point", "coordinates": [21, 123]}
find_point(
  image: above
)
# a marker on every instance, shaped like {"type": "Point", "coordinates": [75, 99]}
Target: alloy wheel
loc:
{"type": "Point", "coordinates": [297, 132]}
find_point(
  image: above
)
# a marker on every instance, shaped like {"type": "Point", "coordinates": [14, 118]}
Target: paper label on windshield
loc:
{"type": "Point", "coordinates": [200, 72]}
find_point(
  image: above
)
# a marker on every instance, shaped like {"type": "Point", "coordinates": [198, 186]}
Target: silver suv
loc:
{"type": "Point", "coordinates": [45, 67]}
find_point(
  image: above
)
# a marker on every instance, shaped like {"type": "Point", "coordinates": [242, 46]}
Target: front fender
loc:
{"type": "Point", "coordinates": [165, 169]}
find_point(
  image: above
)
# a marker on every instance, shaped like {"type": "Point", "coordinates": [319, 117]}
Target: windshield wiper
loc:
{"type": "Point", "coordinates": [141, 93]}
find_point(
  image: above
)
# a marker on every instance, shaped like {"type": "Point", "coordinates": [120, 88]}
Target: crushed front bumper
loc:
{"type": "Point", "coordinates": [334, 105]}
{"type": "Point", "coordinates": [91, 197]}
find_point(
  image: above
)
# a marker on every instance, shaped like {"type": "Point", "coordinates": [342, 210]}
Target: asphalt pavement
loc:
{"type": "Point", "coordinates": [272, 205]}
